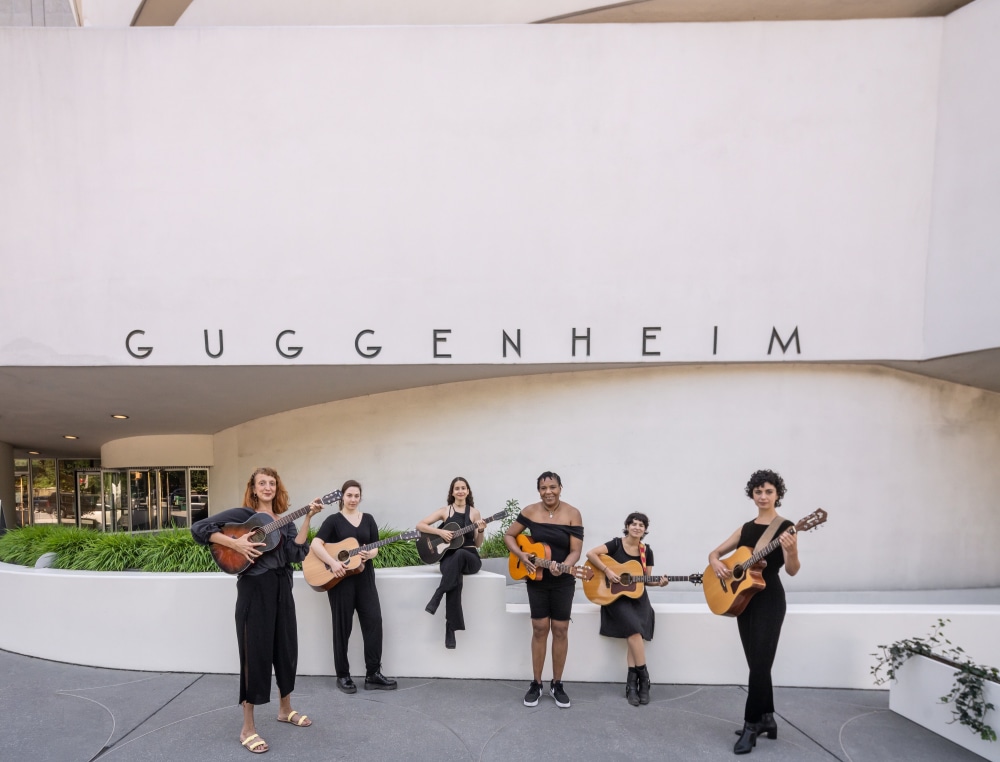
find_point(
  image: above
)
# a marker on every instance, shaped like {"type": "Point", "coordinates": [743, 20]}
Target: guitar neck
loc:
{"type": "Point", "coordinates": [653, 579]}
{"type": "Point", "coordinates": [546, 564]}
{"type": "Point", "coordinates": [288, 518]}
{"type": "Point", "coordinates": [386, 541]}
{"type": "Point", "coordinates": [470, 527]}
{"type": "Point", "coordinates": [757, 557]}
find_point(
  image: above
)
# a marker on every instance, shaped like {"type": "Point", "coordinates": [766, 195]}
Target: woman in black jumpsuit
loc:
{"type": "Point", "coordinates": [265, 610]}
{"type": "Point", "coordinates": [355, 592]}
{"type": "Point", "coordinates": [460, 510]}
{"type": "Point", "coordinates": [760, 622]}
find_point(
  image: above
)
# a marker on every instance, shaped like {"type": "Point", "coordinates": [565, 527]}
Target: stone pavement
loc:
{"type": "Point", "coordinates": [53, 712]}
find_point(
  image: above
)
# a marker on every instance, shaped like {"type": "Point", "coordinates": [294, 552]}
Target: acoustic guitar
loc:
{"type": "Point", "coordinates": [631, 584]}
{"type": "Point", "coordinates": [318, 574]}
{"type": "Point", "coordinates": [261, 528]}
{"type": "Point", "coordinates": [540, 555]}
{"type": "Point", "coordinates": [728, 597]}
{"type": "Point", "coordinates": [431, 547]}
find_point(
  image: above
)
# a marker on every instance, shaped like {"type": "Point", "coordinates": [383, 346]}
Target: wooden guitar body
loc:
{"type": "Point", "coordinates": [728, 597]}
{"type": "Point", "coordinates": [318, 574]}
{"type": "Point", "coordinates": [602, 592]}
{"type": "Point", "coordinates": [228, 559]}
{"type": "Point", "coordinates": [537, 549]}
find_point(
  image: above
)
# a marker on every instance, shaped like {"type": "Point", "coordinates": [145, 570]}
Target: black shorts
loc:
{"type": "Point", "coordinates": [552, 597]}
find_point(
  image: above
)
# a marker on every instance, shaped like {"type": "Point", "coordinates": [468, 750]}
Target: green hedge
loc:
{"type": "Point", "coordinates": [172, 550]}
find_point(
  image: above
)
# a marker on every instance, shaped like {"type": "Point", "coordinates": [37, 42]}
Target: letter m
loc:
{"type": "Point", "coordinates": [784, 344]}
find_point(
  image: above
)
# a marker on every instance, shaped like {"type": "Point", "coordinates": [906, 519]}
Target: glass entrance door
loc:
{"type": "Point", "coordinates": [89, 500]}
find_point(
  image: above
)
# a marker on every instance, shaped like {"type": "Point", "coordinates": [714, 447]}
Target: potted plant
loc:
{"type": "Point", "coordinates": [935, 684]}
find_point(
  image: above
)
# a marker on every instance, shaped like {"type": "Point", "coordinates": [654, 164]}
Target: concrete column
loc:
{"type": "Point", "coordinates": [7, 482]}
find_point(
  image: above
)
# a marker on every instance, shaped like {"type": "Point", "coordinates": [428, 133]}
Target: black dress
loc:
{"type": "Point", "coordinates": [760, 625]}
{"type": "Point", "coordinates": [266, 630]}
{"type": "Point", "coordinates": [356, 592]}
{"type": "Point", "coordinates": [627, 616]}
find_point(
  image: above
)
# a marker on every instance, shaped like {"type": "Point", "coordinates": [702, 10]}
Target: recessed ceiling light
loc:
{"type": "Point", "coordinates": [119, 416]}
{"type": "Point", "coordinates": [70, 436]}
{"type": "Point", "coordinates": [33, 452]}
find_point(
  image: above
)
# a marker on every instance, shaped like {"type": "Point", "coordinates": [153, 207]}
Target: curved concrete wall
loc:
{"type": "Point", "coordinates": [184, 622]}
{"type": "Point", "coordinates": [166, 450]}
{"type": "Point", "coordinates": [745, 176]}
{"type": "Point", "coordinates": [904, 465]}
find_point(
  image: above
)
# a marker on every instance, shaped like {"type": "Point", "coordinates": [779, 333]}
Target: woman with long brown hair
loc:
{"type": "Point", "coordinates": [266, 630]}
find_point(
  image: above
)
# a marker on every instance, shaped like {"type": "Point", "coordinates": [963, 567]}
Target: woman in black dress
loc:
{"type": "Point", "coordinates": [630, 618]}
{"type": "Point", "coordinates": [760, 622]}
{"type": "Point", "coordinates": [265, 610]}
{"type": "Point", "coordinates": [354, 592]}
{"type": "Point", "coordinates": [461, 510]}
{"type": "Point", "coordinates": [560, 526]}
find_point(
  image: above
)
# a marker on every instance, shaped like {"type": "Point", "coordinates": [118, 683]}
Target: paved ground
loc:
{"type": "Point", "coordinates": [56, 712]}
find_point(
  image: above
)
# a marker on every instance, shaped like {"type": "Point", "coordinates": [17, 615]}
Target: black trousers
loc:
{"type": "Point", "coordinates": [356, 593]}
{"type": "Point", "coordinates": [267, 635]}
{"type": "Point", "coordinates": [760, 629]}
{"type": "Point", "coordinates": [454, 565]}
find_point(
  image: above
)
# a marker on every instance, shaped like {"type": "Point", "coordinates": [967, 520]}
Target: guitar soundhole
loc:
{"type": "Point", "coordinates": [626, 579]}
{"type": "Point", "coordinates": [343, 556]}
{"type": "Point", "coordinates": [257, 536]}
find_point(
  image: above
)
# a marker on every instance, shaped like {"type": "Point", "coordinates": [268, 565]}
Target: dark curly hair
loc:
{"type": "Point", "coordinates": [632, 517]}
{"type": "Point", "coordinates": [763, 476]}
{"type": "Point", "coordinates": [548, 475]}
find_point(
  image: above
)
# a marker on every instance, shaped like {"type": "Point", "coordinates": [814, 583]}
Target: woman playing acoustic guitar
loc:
{"type": "Point", "coordinates": [760, 622]}
{"type": "Point", "coordinates": [265, 611]}
{"type": "Point", "coordinates": [460, 510]}
{"type": "Point", "coordinates": [356, 592]}
{"type": "Point", "coordinates": [629, 618]}
{"type": "Point", "coordinates": [560, 526]}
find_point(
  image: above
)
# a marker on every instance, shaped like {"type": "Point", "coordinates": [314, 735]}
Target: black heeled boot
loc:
{"type": "Point", "coordinates": [748, 738]}
{"type": "Point", "coordinates": [434, 602]}
{"type": "Point", "coordinates": [643, 684]}
{"type": "Point", "coordinates": [632, 687]}
{"type": "Point", "coordinates": [768, 726]}
{"type": "Point", "coordinates": [449, 636]}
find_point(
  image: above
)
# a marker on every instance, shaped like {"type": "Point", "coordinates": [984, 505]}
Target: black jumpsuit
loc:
{"type": "Point", "coordinates": [760, 625]}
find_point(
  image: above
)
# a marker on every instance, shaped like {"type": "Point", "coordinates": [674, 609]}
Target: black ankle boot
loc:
{"type": "Point", "coordinates": [632, 687]}
{"type": "Point", "coordinates": [748, 738]}
{"type": "Point", "coordinates": [643, 684]}
{"type": "Point", "coordinates": [449, 636]}
{"type": "Point", "coordinates": [768, 726]}
{"type": "Point", "coordinates": [434, 602]}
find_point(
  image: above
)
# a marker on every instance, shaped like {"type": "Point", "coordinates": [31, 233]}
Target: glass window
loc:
{"type": "Point", "coordinates": [199, 493]}
{"type": "Point", "coordinates": [43, 491]}
{"type": "Point", "coordinates": [22, 493]}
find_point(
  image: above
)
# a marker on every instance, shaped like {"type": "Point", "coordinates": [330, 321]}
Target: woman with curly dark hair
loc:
{"type": "Point", "coordinates": [760, 622]}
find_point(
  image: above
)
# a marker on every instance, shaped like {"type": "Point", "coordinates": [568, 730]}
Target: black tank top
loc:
{"type": "Point", "coordinates": [462, 519]}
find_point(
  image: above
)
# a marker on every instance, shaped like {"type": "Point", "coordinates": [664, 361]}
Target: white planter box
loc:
{"type": "Point", "coordinates": [916, 694]}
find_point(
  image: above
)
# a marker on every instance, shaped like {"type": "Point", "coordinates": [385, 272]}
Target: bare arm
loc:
{"type": "Point", "coordinates": [790, 547]}
{"type": "Point", "coordinates": [594, 554]}
{"type": "Point", "coordinates": [731, 544]}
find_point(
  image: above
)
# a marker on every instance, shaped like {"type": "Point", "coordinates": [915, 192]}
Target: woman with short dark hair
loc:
{"type": "Point", "coordinates": [760, 622]}
{"type": "Point", "coordinates": [630, 618]}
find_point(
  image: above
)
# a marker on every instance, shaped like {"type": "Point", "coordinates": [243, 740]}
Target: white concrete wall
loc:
{"type": "Point", "coordinates": [963, 272]}
{"type": "Point", "coordinates": [184, 622]}
{"type": "Point", "coordinates": [479, 179]}
{"type": "Point", "coordinates": [905, 465]}
{"type": "Point", "coordinates": [167, 450]}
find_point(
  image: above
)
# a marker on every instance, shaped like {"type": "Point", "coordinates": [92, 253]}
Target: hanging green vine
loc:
{"type": "Point", "coordinates": [970, 705]}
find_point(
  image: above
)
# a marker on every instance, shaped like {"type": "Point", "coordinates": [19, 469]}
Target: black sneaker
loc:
{"type": "Point", "coordinates": [534, 691]}
{"type": "Point", "coordinates": [556, 692]}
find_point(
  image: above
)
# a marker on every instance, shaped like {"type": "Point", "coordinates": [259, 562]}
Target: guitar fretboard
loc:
{"type": "Point", "coordinates": [286, 519]}
{"type": "Point", "coordinates": [759, 555]}
{"type": "Point", "coordinates": [653, 579]}
{"type": "Point", "coordinates": [386, 541]}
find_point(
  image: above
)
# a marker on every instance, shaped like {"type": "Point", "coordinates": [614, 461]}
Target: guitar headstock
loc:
{"type": "Point", "coordinates": [583, 572]}
{"type": "Point", "coordinates": [812, 521]}
{"type": "Point", "coordinates": [332, 497]}
{"type": "Point", "coordinates": [695, 579]}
